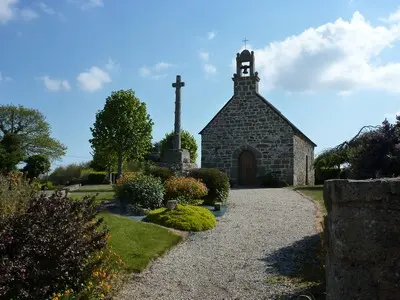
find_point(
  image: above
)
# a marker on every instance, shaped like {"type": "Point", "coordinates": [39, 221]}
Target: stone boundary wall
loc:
{"type": "Point", "coordinates": [362, 235]}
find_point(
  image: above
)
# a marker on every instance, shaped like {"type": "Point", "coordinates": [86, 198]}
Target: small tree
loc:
{"type": "Point", "coordinates": [188, 143]}
{"type": "Point", "coordinates": [36, 165]}
{"type": "Point", "coordinates": [123, 128]}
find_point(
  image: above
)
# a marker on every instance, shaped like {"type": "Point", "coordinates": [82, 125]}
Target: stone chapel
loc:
{"type": "Point", "coordinates": [249, 137]}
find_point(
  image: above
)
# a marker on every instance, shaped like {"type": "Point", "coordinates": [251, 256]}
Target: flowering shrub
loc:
{"type": "Point", "coordinates": [126, 177]}
{"type": "Point", "coordinates": [15, 192]}
{"type": "Point", "coordinates": [184, 189]}
{"type": "Point", "coordinates": [102, 281]}
{"type": "Point", "coordinates": [143, 191]}
{"type": "Point", "coordinates": [51, 247]}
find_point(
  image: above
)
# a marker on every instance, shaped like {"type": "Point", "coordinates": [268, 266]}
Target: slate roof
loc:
{"type": "Point", "coordinates": [269, 104]}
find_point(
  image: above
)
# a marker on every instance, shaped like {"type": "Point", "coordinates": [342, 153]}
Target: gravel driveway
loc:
{"type": "Point", "coordinates": [252, 243]}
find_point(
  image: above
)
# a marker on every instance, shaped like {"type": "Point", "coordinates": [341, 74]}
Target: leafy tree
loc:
{"type": "Point", "coordinates": [30, 125]}
{"type": "Point", "coordinates": [188, 142]}
{"type": "Point", "coordinates": [155, 153]}
{"type": "Point", "coordinates": [123, 128]}
{"type": "Point", "coordinates": [10, 152]}
{"type": "Point", "coordinates": [36, 165]}
{"type": "Point", "coordinates": [373, 152]}
{"type": "Point", "coordinates": [103, 161]}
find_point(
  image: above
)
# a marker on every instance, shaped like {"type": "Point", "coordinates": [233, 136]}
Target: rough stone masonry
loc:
{"type": "Point", "coordinates": [362, 233]}
{"type": "Point", "coordinates": [248, 122]}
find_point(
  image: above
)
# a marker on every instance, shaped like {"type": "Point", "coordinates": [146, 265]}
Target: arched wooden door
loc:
{"type": "Point", "coordinates": [247, 168]}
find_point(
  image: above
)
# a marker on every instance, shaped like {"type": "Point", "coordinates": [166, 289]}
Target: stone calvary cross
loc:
{"type": "Point", "coordinates": [178, 84]}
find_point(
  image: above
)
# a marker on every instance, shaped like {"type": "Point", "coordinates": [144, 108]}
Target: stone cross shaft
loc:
{"type": "Point", "coordinates": [178, 84]}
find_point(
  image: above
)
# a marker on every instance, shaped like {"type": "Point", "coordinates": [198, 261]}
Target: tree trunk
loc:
{"type": "Point", "coordinates": [119, 164]}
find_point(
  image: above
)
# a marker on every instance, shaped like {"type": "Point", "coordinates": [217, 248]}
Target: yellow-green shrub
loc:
{"type": "Point", "coordinates": [184, 217]}
{"type": "Point", "coordinates": [184, 189]}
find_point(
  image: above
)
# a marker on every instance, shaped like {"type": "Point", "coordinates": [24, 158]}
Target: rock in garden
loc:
{"type": "Point", "coordinates": [171, 204]}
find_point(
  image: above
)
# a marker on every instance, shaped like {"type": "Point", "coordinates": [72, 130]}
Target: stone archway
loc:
{"type": "Point", "coordinates": [247, 168]}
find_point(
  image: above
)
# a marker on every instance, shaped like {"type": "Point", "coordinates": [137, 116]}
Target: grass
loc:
{"type": "Point", "coordinates": [313, 276]}
{"type": "Point", "coordinates": [105, 192]}
{"type": "Point", "coordinates": [184, 217]}
{"type": "Point", "coordinates": [138, 243]}
{"type": "Point", "coordinates": [316, 193]}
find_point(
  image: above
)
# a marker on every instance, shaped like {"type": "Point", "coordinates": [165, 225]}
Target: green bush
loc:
{"type": "Point", "coordinates": [97, 178]}
{"type": "Point", "coordinates": [184, 189]}
{"type": "Point", "coordinates": [217, 183]}
{"type": "Point", "coordinates": [143, 191]}
{"type": "Point", "coordinates": [184, 217]}
{"type": "Point", "coordinates": [269, 180]}
{"type": "Point", "coordinates": [160, 172]}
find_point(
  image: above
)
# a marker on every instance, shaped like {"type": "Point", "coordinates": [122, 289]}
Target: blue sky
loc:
{"type": "Point", "coordinates": [329, 66]}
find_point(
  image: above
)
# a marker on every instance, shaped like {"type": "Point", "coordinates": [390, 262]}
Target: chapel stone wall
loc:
{"type": "Point", "coordinates": [248, 123]}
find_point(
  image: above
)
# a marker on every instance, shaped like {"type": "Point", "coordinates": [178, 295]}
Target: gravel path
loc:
{"type": "Point", "coordinates": [252, 244]}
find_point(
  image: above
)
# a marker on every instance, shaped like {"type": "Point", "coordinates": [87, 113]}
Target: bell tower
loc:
{"type": "Point", "coordinates": [245, 80]}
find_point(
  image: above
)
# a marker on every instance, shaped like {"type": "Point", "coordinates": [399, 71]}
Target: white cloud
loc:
{"type": "Point", "coordinates": [7, 10]}
{"type": "Point", "coordinates": [210, 69]}
{"type": "Point", "coordinates": [393, 17]}
{"type": "Point", "coordinates": [28, 14]}
{"type": "Point", "coordinates": [211, 35]}
{"type": "Point", "coordinates": [111, 65]}
{"type": "Point", "coordinates": [10, 10]}
{"type": "Point", "coordinates": [342, 56]}
{"type": "Point", "coordinates": [204, 56]}
{"type": "Point", "coordinates": [93, 79]}
{"type": "Point", "coordinates": [87, 4]}
{"type": "Point", "coordinates": [46, 9]}
{"type": "Point", "coordinates": [4, 78]}
{"type": "Point", "coordinates": [55, 85]}
{"type": "Point", "coordinates": [155, 72]}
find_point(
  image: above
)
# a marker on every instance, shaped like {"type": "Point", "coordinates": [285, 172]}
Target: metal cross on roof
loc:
{"type": "Point", "coordinates": [245, 42]}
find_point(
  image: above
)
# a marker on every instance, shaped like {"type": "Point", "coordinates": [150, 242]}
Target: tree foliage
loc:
{"type": "Point", "coordinates": [188, 142]}
{"type": "Point", "coordinates": [123, 128]}
{"type": "Point", "coordinates": [36, 165]}
{"type": "Point", "coordinates": [373, 152]}
{"type": "Point", "coordinates": [31, 126]}
{"type": "Point", "coordinates": [10, 152]}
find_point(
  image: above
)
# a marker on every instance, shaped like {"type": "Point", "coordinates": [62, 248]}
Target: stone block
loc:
{"type": "Point", "coordinates": [362, 233]}
{"type": "Point", "coordinates": [217, 206]}
{"type": "Point", "coordinates": [171, 204]}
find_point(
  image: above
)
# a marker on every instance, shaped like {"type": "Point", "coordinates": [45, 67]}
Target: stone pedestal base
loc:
{"type": "Point", "coordinates": [177, 160]}
{"type": "Point", "coordinates": [177, 156]}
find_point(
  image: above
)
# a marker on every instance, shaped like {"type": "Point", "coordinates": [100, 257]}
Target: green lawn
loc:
{"type": "Point", "coordinates": [316, 193]}
{"type": "Point", "coordinates": [105, 192]}
{"type": "Point", "coordinates": [137, 242]}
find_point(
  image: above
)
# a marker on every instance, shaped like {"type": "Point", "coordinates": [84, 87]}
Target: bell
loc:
{"type": "Point", "coordinates": [245, 71]}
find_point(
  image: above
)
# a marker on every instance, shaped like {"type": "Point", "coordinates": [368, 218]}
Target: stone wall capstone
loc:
{"type": "Point", "coordinates": [362, 234]}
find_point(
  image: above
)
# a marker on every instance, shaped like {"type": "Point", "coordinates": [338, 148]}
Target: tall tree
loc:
{"type": "Point", "coordinates": [31, 126]}
{"type": "Point", "coordinates": [123, 128]}
{"type": "Point", "coordinates": [103, 161]}
{"type": "Point", "coordinates": [188, 143]}
{"type": "Point", "coordinates": [36, 165]}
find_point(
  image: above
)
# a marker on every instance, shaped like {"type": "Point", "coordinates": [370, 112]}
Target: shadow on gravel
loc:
{"type": "Point", "coordinates": [302, 264]}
